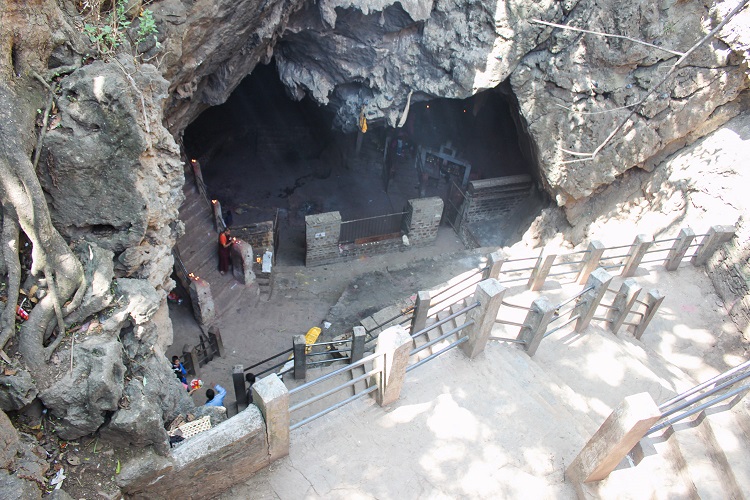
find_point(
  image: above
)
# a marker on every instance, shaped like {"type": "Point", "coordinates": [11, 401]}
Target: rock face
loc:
{"type": "Point", "coordinates": [81, 400]}
{"type": "Point", "coordinates": [112, 171]}
{"type": "Point", "coordinates": [352, 55]}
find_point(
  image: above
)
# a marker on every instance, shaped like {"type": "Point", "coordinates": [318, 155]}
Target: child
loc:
{"type": "Point", "coordinates": [179, 370]}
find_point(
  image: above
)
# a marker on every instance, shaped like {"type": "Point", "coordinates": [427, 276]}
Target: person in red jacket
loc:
{"type": "Point", "coordinates": [225, 244]}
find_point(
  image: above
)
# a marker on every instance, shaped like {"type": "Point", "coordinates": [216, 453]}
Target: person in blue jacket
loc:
{"type": "Point", "coordinates": [215, 398]}
{"type": "Point", "coordinates": [179, 370]}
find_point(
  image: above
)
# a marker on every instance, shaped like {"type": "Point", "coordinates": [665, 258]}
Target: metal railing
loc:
{"type": "Point", "coordinates": [272, 367]}
{"type": "Point", "coordinates": [371, 227]}
{"type": "Point", "coordinates": [345, 385]}
{"type": "Point", "coordinates": [715, 390]}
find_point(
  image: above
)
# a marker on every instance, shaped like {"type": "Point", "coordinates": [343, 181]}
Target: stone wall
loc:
{"type": "Point", "coordinates": [729, 270]}
{"type": "Point", "coordinates": [205, 464]}
{"type": "Point", "coordinates": [423, 219]}
{"type": "Point", "coordinates": [492, 198]}
{"type": "Point", "coordinates": [323, 231]}
{"type": "Point", "coordinates": [259, 235]}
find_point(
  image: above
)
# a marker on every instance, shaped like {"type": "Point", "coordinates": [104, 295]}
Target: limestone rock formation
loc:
{"type": "Point", "coordinates": [81, 400]}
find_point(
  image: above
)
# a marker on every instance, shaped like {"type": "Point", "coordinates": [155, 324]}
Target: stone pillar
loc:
{"type": "Point", "coordinates": [238, 381]}
{"type": "Point", "coordinates": [322, 232]}
{"type": "Point", "coordinates": [716, 236]}
{"type": "Point", "coordinates": [218, 217]}
{"type": "Point", "coordinates": [272, 398]}
{"type": "Point", "coordinates": [489, 293]}
{"type": "Point", "coordinates": [638, 250]}
{"type": "Point", "coordinates": [622, 430]}
{"type": "Point", "coordinates": [653, 301]}
{"type": "Point", "coordinates": [217, 343]}
{"type": "Point", "coordinates": [590, 300]}
{"type": "Point", "coordinates": [421, 310]}
{"type": "Point", "coordinates": [623, 304]}
{"type": "Point", "coordinates": [495, 262]}
{"type": "Point", "coordinates": [203, 302]}
{"type": "Point", "coordinates": [300, 362]}
{"type": "Point", "coordinates": [422, 219]}
{"type": "Point", "coordinates": [358, 343]}
{"type": "Point", "coordinates": [679, 249]}
{"type": "Point", "coordinates": [541, 271]}
{"type": "Point", "coordinates": [394, 344]}
{"type": "Point", "coordinates": [535, 324]}
{"type": "Point", "coordinates": [241, 253]}
{"type": "Point", "coordinates": [591, 261]}
{"type": "Point", "coordinates": [190, 359]}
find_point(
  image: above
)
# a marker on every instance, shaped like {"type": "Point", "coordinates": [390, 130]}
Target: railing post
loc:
{"type": "Point", "coordinates": [653, 301]}
{"type": "Point", "coordinates": [190, 359]}
{"type": "Point", "coordinates": [394, 343]}
{"type": "Point", "coordinates": [238, 381]}
{"type": "Point", "coordinates": [272, 398]}
{"type": "Point", "coordinates": [679, 249]}
{"type": "Point", "coordinates": [421, 310]}
{"type": "Point", "coordinates": [716, 236]}
{"type": "Point", "coordinates": [358, 343]}
{"type": "Point", "coordinates": [591, 262]}
{"type": "Point", "coordinates": [622, 430]}
{"type": "Point", "coordinates": [535, 325]}
{"type": "Point", "coordinates": [623, 303]}
{"type": "Point", "coordinates": [540, 272]}
{"type": "Point", "coordinates": [590, 300]}
{"type": "Point", "coordinates": [218, 217]}
{"type": "Point", "coordinates": [300, 363]}
{"type": "Point", "coordinates": [203, 302]}
{"type": "Point", "coordinates": [214, 338]}
{"type": "Point", "coordinates": [489, 293]}
{"type": "Point", "coordinates": [495, 263]}
{"type": "Point", "coordinates": [638, 249]}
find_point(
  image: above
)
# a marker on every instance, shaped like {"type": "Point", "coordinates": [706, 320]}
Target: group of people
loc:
{"type": "Point", "coordinates": [215, 396]}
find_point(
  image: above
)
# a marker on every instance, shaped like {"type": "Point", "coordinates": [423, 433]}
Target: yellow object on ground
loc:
{"type": "Point", "coordinates": [311, 336]}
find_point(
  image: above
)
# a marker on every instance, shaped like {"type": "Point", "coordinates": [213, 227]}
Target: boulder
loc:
{"type": "Point", "coordinates": [80, 401]}
{"type": "Point", "coordinates": [9, 442]}
{"type": "Point", "coordinates": [12, 486]}
{"type": "Point", "coordinates": [17, 390]}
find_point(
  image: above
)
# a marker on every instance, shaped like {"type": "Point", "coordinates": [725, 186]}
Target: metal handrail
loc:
{"type": "Point", "coordinates": [574, 297]}
{"type": "Point", "coordinates": [440, 338]}
{"type": "Point", "coordinates": [445, 320]}
{"type": "Point", "coordinates": [335, 372]}
{"type": "Point", "coordinates": [688, 402]}
{"type": "Point", "coordinates": [336, 389]}
{"type": "Point", "coordinates": [269, 359]}
{"type": "Point", "coordinates": [436, 354]}
{"type": "Point", "coordinates": [454, 289]}
{"type": "Point", "coordinates": [705, 384]}
{"type": "Point", "coordinates": [331, 408]}
{"type": "Point", "coordinates": [572, 319]}
{"type": "Point", "coordinates": [697, 409]}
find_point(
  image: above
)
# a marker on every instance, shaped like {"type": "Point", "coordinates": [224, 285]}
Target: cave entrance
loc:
{"type": "Point", "coordinates": [265, 156]}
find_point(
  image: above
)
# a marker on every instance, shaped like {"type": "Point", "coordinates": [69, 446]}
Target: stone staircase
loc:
{"type": "Point", "coordinates": [570, 387]}
{"type": "Point", "coordinates": [198, 250]}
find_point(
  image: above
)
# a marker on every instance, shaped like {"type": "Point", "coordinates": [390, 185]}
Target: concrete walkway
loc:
{"type": "Point", "coordinates": [505, 425]}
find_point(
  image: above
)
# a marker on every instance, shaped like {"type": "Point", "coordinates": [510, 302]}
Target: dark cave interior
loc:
{"type": "Point", "coordinates": [261, 152]}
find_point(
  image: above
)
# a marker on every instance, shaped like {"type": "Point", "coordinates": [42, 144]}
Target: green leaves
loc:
{"type": "Point", "coordinates": [109, 34]}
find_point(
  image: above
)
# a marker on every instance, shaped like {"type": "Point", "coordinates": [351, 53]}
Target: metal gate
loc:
{"type": "Point", "coordinates": [455, 205]}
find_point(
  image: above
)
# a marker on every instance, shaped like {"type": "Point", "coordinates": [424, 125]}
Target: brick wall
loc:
{"type": "Point", "coordinates": [322, 233]}
{"type": "Point", "coordinates": [493, 198]}
{"type": "Point", "coordinates": [423, 219]}
{"type": "Point", "coordinates": [259, 235]}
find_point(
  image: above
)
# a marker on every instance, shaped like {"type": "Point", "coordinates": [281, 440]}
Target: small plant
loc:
{"type": "Point", "coordinates": [146, 26]}
{"type": "Point", "coordinates": [109, 33]}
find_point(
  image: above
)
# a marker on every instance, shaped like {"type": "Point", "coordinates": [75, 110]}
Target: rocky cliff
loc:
{"type": "Point", "coordinates": [110, 170]}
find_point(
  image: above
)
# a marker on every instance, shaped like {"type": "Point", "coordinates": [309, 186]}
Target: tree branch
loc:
{"type": "Point", "coordinates": [608, 35]}
{"type": "Point", "coordinates": [672, 70]}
